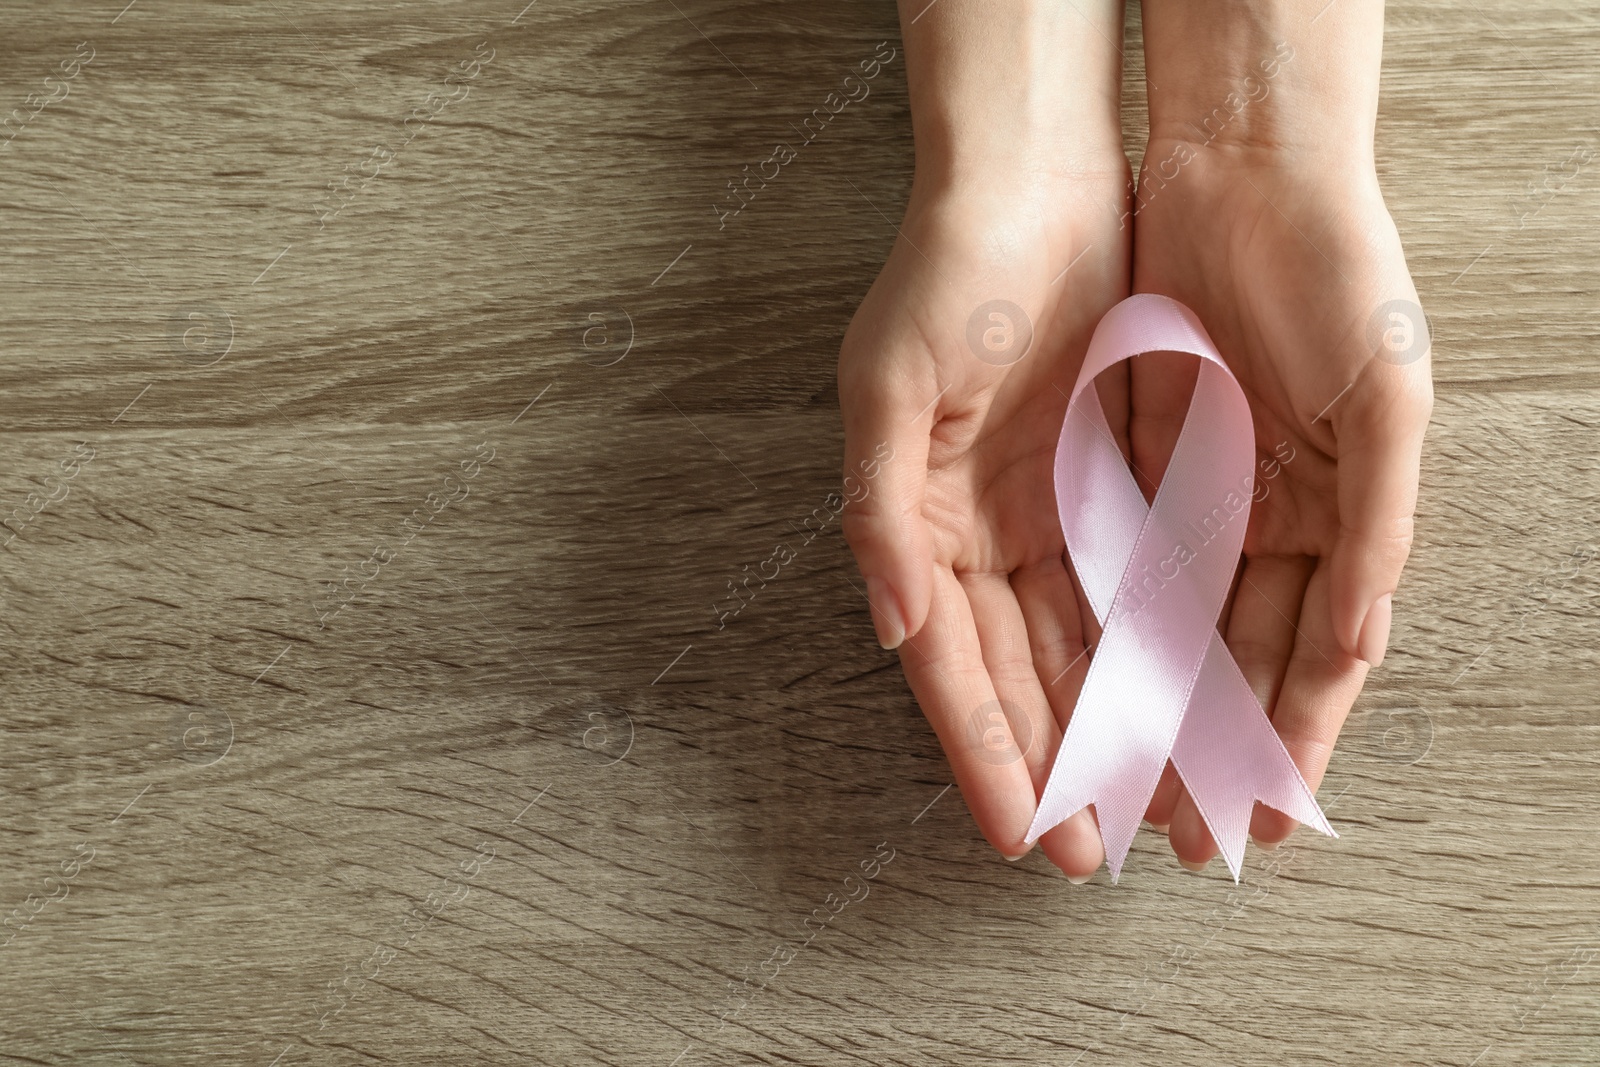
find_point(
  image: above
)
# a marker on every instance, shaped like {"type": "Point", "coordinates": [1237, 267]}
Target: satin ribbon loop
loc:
{"type": "Point", "coordinates": [1161, 683]}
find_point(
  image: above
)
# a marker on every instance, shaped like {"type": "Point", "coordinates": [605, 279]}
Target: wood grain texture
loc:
{"type": "Point", "coordinates": [252, 795]}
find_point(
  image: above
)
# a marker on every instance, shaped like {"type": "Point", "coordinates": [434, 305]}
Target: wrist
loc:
{"type": "Point", "coordinates": [1013, 95]}
{"type": "Point", "coordinates": [1180, 176]}
{"type": "Point", "coordinates": [1267, 83]}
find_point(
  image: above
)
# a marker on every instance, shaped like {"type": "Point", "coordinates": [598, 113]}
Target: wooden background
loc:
{"type": "Point", "coordinates": [519, 799]}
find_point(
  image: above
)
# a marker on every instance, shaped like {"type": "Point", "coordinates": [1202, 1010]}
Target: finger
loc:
{"type": "Point", "coordinates": [1003, 640]}
{"type": "Point", "coordinates": [1074, 846]}
{"type": "Point", "coordinates": [886, 427]}
{"type": "Point", "coordinates": [944, 665]}
{"type": "Point", "coordinates": [1112, 386]}
{"type": "Point", "coordinates": [1227, 601]}
{"type": "Point", "coordinates": [1319, 689]}
{"type": "Point", "coordinates": [1380, 452]}
{"type": "Point", "coordinates": [1164, 801]}
{"type": "Point", "coordinates": [1261, 627]}
{"type": "Point", "coordinates": [1047, 597]}
{"type": "Point", "coordinates": [1086, 616]}
{"type": "Point", "coordinates": [1261, 637]}
{"type": "Point", "coordinates": [1190, 838]}
{"type": "Point", "coordinates": [1161, 384]}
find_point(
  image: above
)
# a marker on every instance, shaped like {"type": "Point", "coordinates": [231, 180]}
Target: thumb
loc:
{"type": "Point", "coordinates": [886, 428]}
{"type": "Point", "coordinates": [1380, 455]}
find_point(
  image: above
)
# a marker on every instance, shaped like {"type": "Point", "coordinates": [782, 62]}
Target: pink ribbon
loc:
{"type": "Point", "coordinates": [1161, 683]}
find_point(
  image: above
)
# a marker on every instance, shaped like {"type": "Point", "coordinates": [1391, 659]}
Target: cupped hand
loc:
{"type": "Point", "coordinates": [953, 380]}
{"type": "Point", "coordinates": [1296, 271]}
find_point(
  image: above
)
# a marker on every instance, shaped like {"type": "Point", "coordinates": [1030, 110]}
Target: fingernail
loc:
{"type": "Point", "coordinates": [887, 617]}
{"type": "Point", "coordinates": [1196, 867]}
{"type": "Point", "coordinates": [1268, 846]}
{"type": "Point", "coordinates": [1013, 859]}
{"type": "Point", "coordinates": [1160, 828]}
{"type": "Point", "coordinates": [1375, 630]}
{"type": "Point", "coordinates": [1080, 879]}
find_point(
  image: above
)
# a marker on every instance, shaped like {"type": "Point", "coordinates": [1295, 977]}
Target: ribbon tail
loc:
{"type": "Point", "coordinates": [1118, 809]}
{"type": "Point", "coordinates": [1229, 757]}
{"type": "Point", "coordinates": [1111, 759]}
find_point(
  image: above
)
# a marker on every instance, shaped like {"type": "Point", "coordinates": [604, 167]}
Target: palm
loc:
{"type": "Point", "coordinates": [1001, 652]}
{"type": "Point", "coordinates": [1287, 279]}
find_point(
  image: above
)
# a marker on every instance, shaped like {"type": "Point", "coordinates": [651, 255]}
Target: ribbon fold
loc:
{"type": "Point", "coordinates": [1161, 683]}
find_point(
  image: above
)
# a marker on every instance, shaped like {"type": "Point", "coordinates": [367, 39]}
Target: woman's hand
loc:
{"type": "Point", "coordinates": [958, 365]}
{"type": "Point", "coordinates": [1266, 219]}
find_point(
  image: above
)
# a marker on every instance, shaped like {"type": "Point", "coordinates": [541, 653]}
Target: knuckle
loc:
{"type": "Point", "coordinates": [858, 526]}
{"type": "Point", "coordinates": [1392, 543]}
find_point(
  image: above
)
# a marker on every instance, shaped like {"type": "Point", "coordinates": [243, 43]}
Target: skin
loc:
{"type": "Point", "coordinates": [1273, 231]}
{"type": "Point", "coordinates": [1276, 234]}
{"type": "Point", "coordinates": [1019, 176]}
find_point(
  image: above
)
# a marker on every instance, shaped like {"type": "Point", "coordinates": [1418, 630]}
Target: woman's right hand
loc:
{"type": "Point", "coordinates": [953, 380]}
{"type": "Point", "coordinates": [957, 368]}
